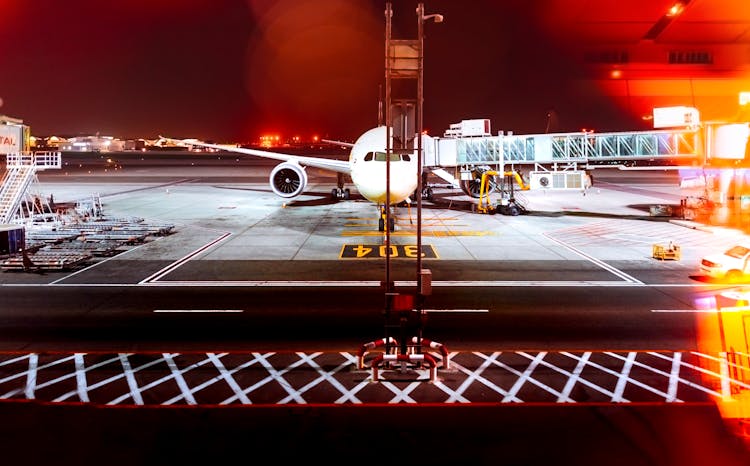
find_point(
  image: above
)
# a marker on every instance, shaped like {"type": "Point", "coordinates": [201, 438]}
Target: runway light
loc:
{"type": "Point", "coordinates": [675, 9]}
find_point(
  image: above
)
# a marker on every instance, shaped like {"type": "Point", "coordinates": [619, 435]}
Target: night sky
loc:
{"type": "Point", "coordinates": [231, 70]}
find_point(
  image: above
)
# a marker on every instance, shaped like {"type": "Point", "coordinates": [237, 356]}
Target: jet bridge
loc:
{"type": "Point", "coordinates": [550, 160]}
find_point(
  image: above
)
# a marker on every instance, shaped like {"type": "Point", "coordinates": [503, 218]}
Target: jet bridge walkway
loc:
{"type": "Point", "coordinates": [546, 154]}
{"type": "Point", "coordinates": [582, 147]}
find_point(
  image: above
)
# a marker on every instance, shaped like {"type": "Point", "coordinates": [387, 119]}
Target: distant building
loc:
{"type": "Point", "coordinates": [134, 144]}
{"type": "Point", "coordinates": [92, 144]}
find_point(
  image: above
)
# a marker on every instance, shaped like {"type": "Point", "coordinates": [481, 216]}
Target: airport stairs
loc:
{"type": "Point", "coordinates": [20, 173]}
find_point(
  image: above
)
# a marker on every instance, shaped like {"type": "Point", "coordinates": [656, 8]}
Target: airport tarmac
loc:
{"type": "Point", "coordinates": [227, 221]}
{"type": "Point", "coordinates": [625, 409]}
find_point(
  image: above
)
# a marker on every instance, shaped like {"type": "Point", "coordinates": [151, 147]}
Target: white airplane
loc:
{"type": "Point", "coordinates": [366, 167]}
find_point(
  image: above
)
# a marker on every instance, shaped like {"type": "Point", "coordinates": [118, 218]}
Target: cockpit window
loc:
{"type": "Point", "coordinates": [381, 157]}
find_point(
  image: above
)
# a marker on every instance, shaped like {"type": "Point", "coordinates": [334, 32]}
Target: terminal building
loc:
{"type": "Point", "coordinates": [92, 144]}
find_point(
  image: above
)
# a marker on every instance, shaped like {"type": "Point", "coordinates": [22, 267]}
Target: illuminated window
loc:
{"type": "Point", "coordinates": [690, 58]}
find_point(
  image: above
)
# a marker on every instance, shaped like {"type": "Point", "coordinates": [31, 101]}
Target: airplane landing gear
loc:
{"type": "Point", "coordinates": [340, 193]}
{"type": "Point", "coordinates": [381, 221]}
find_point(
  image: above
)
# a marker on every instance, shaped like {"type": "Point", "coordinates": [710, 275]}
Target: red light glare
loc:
{"type": "Point", "coordinates": [675, 9]}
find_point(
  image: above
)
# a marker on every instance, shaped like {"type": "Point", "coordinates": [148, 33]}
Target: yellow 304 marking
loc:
{"type": "Point", "coordinates": [377, 251]}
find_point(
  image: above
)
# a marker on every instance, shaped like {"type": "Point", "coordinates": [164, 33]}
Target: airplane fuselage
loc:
{"type": "Point", "coordinates": [374, 176]}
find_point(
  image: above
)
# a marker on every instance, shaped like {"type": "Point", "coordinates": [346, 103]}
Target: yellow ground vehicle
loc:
{"type": "Point", "coordinates": [508, 204]}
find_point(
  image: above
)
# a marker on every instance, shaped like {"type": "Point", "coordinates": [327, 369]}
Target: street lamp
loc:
{"type": "Point", "coordinates": [421, 18]}
{"type": "Point", "coordinates": [437, 17]}
{"type": "Point", "coordinates": [405, 60]}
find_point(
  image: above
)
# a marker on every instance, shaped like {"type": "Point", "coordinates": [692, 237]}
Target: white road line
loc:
{"type": "Point", "coordinates": [526, 375]}
{"type": "Point", "coordinates": [533, 283]}
{"type": "Point", "coordinates": [674, 378]}
{"type": "Point", "coordinates": [177, 375]}
{"type": "Point", "coordinates": [362, 283]}
{"type": "Point", "coordinates": [687, 311]}
{"type": "Point", "coordinates": [157, 275]}
{"type": "Point", "coordinates": [372, 283]}
{"type": "Point", "coordinates": [573, 379]}
{"type": "Point", "coordinates": [135, 392]}
{"type": "Point", "coordinates": [269, 283]}
{"type": "Point", "coordinates": [624, 377]}
{"type": "Point", "coordinates": [81, 385]}
{"type": "Point", "coordinates": [198, 310]}
{"type": "Point", "coordinates": [31, 376]}
{"type": "Point", "coordinates": [596, 261]}
{"type": "Point", "coordinates": [455, 310]}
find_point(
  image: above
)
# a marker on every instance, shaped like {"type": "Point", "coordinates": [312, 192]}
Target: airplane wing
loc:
{"type": "Point", "coordinates": [338, 166]}
{"type": "Point", "coordinates": [340, 143]}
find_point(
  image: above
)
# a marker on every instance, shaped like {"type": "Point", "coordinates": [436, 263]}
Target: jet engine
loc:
{"type": "Point", "coordinates": [288, 179]}
{"type": "Point", "coordinates": [472, 187]}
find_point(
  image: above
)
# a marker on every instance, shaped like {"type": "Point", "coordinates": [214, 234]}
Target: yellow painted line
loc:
{"type": "Point", "coordinates": [402, 218]}
{"type": "Point", "coordinates": [432, 233]}
{"type": "Point", "coordinates": [424, 224]}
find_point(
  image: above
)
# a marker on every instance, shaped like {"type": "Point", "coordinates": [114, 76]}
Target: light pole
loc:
{"type": "Point", "coordinates": [421, 291]}
{"type": "Point", "coordinates": [421, 18]}
{"type": "Point", "coordinates": [405, 60]}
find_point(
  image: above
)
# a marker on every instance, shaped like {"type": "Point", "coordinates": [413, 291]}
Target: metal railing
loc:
{"type": "Point", "coordinates": [20, 173]}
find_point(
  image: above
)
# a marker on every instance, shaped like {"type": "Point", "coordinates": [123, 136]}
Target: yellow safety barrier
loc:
{"type": "Point", "coordinates": [671, 252]}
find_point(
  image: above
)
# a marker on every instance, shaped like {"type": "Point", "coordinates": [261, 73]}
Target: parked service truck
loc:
{"type": "Point", "coordinates": [731, 265]}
